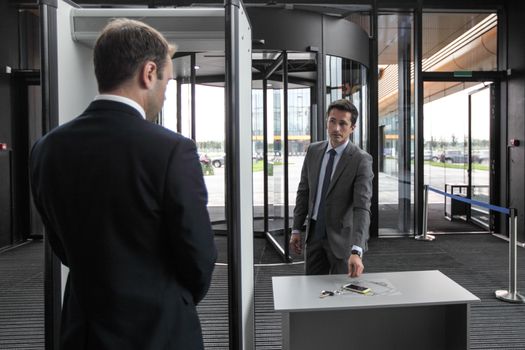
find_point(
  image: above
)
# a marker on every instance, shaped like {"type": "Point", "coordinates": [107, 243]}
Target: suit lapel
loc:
{"type": "Point", "coordinates": [341, 165]}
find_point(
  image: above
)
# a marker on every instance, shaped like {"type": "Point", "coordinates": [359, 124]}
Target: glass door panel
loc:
{"type": "Point", "coordinates": [276, 174]}
{"type": "Point", "coordinates": [272, 206]}
{"type": "Point", "coordinates": [298, 137]}
{"type": "Point", "coordinates": [258, 150]}
{"type": "Point", "coordinates": [456, 152]}
{"type": "Point", "coordinates": [446, 146]}
{"type": "Point", "coordinates": [480, 153]}
{"type": "Point", "coordinates": [209, 136]}
{"type": "Point", "coordinates": [276, 178]}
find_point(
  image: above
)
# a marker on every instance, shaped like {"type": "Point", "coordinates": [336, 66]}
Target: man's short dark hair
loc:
{"type": "Point", "coordinates": [345, 106]}
{"type": "Point", "coordinates": [123, 47]}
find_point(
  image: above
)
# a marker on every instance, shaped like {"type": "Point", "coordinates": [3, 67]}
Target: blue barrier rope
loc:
{"type": "Point", "coordinates": [472, 201]}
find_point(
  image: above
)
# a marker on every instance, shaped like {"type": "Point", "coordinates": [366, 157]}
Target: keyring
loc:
{"type": "Point", "coordinates": [326, 293]}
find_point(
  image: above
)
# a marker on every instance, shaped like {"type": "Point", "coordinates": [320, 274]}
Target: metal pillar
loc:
{"type": "Point", "coordinates": [424, 236]}
{"type": "Point", "coordinates": [512, 295]}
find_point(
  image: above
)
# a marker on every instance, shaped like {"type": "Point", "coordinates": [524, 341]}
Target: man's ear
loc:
{"type": "Point", "coordinates": [148, 74]}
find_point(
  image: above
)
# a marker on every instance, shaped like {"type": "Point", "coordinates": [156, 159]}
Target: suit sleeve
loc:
{"type": "Point", "coordinates": [301, 200]}
{"type": "Point", "coordinates": [361, 202]}
{"type": "Point", "coordinates": [189, 230]}
{"type": "Point", "coordinates": [35, 184]}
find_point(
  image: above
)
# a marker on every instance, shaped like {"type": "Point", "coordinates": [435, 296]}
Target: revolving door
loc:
{"type": "Point", "coordinates": [283, 102]}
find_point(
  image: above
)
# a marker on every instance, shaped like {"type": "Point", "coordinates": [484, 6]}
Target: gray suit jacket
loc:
{"type": "Point", "coordinates": [347, 201]}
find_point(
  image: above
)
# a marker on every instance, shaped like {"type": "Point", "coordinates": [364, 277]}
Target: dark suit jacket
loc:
{"type": "Point", "coordinates": [124, 204]}
{"type": "Point", "coordinates": [347, 200]}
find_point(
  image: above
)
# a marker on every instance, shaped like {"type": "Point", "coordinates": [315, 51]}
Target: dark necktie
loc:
{"type": "Point", "coordinates": [320, 223]}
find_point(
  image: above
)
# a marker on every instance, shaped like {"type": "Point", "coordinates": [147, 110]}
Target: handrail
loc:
{"type": "Point", "coordinates": [471, 201]}
{"type": "Point", "coordinates": [511, 295]}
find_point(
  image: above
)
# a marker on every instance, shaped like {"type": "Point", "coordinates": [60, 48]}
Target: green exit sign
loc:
{"type": "Point", "coordinates": [463, 74]}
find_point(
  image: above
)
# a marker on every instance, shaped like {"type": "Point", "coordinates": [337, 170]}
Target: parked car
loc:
{"type": "Point", "coordinates": [428, 155]}
{"type": "Point", "coordinates": [256, 156]}
{"type": "Point", "coordinates": [452, 156]}
{"type": "Point", "coordinates": [481, 156]}
{"type": "Point", "coordinates": [217, 162]}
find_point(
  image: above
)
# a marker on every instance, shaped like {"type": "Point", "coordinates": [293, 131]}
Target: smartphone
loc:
{"type": "Point", "coordinates": [356, 288]}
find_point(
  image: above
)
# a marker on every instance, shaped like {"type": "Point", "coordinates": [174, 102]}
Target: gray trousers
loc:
{"type": "Point", "coordinates": [319, 259]}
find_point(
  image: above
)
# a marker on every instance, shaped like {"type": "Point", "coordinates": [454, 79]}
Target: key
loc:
{"type": "Point", "coordinates": [326, 293]}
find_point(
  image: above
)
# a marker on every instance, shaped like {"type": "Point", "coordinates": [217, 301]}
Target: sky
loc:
{"type": "Point", "coordinates": [209, 111]}
{"type": "Point", "coordinates": [448, 115]}
{"type": "Point", "coordinates": [444, 117]}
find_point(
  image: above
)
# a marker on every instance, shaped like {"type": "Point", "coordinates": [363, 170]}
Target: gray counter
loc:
{"type": "Point", "coordinates": [405, 310]}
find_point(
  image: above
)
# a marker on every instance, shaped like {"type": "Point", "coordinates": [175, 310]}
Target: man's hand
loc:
{"type": "Point", "coordinates": [355, 266]}
{"type": "Point", "coordinates": [295, 243]}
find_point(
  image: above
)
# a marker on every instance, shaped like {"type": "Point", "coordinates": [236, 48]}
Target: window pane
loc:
{"type": "Point", "coordinates": [459, 42]}
{"type": "Point", "coordinates": [396, 124]}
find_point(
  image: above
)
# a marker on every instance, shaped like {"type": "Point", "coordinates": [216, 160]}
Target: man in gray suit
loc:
{"type": "Point", "coordinates": [334, 193]}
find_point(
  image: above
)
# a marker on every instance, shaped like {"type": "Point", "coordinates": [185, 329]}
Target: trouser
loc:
{"type": "Point", "coordinates": [319, 259]}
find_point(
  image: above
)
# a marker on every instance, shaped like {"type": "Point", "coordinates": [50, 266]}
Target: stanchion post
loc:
{"type": "Point", "coordinates": [424, 236]}
{"type": "Point", "coordinates": [512, 295]}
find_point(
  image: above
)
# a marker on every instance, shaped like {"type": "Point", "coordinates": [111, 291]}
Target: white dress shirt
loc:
{"type": "Point", "coordinates": [122, 99]}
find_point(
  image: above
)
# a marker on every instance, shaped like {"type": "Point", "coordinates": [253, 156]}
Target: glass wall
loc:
{"type": "Point", "coordinates": [396, 124]}
{"type": "Point", "coordinates": [457, 115]}
{"type": "Point", "coordinates": [452, 42]}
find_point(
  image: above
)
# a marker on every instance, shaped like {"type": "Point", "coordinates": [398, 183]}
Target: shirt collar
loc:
{"type": "Point", "coordinates": [122, 99]}
{"type": "Point", "coordinates": [339, 149]}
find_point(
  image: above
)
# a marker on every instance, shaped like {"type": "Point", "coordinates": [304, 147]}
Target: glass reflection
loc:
{"type": "Point", "coordinates": [396, 124]}
{"type": "Point", "coordinates": [347, 79]}
{"type": "Point", "coordinates": [460, 42]}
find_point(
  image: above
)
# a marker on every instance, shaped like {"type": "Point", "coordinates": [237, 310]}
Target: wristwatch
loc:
{"type": "Point", "coordinates": [356, 252]}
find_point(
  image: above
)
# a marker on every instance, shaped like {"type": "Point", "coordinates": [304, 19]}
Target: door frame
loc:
{"type": "Point", "coordinates": [493, 77]}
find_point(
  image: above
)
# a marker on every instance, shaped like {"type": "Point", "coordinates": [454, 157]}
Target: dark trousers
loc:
{"type": "Point", "coordinates": [319, 259]}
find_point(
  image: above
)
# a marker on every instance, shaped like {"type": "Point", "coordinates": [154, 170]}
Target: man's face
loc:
{"type": "Point", "coordinates": [158, 93]}
{"type": "Point", "coordinates": [339, 126]}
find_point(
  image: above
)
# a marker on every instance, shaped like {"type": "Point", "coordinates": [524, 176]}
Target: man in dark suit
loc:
{"type": "Point", "coordinates": [124, 205]}
{"type": "Point", "coordinates": [334, 193]}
